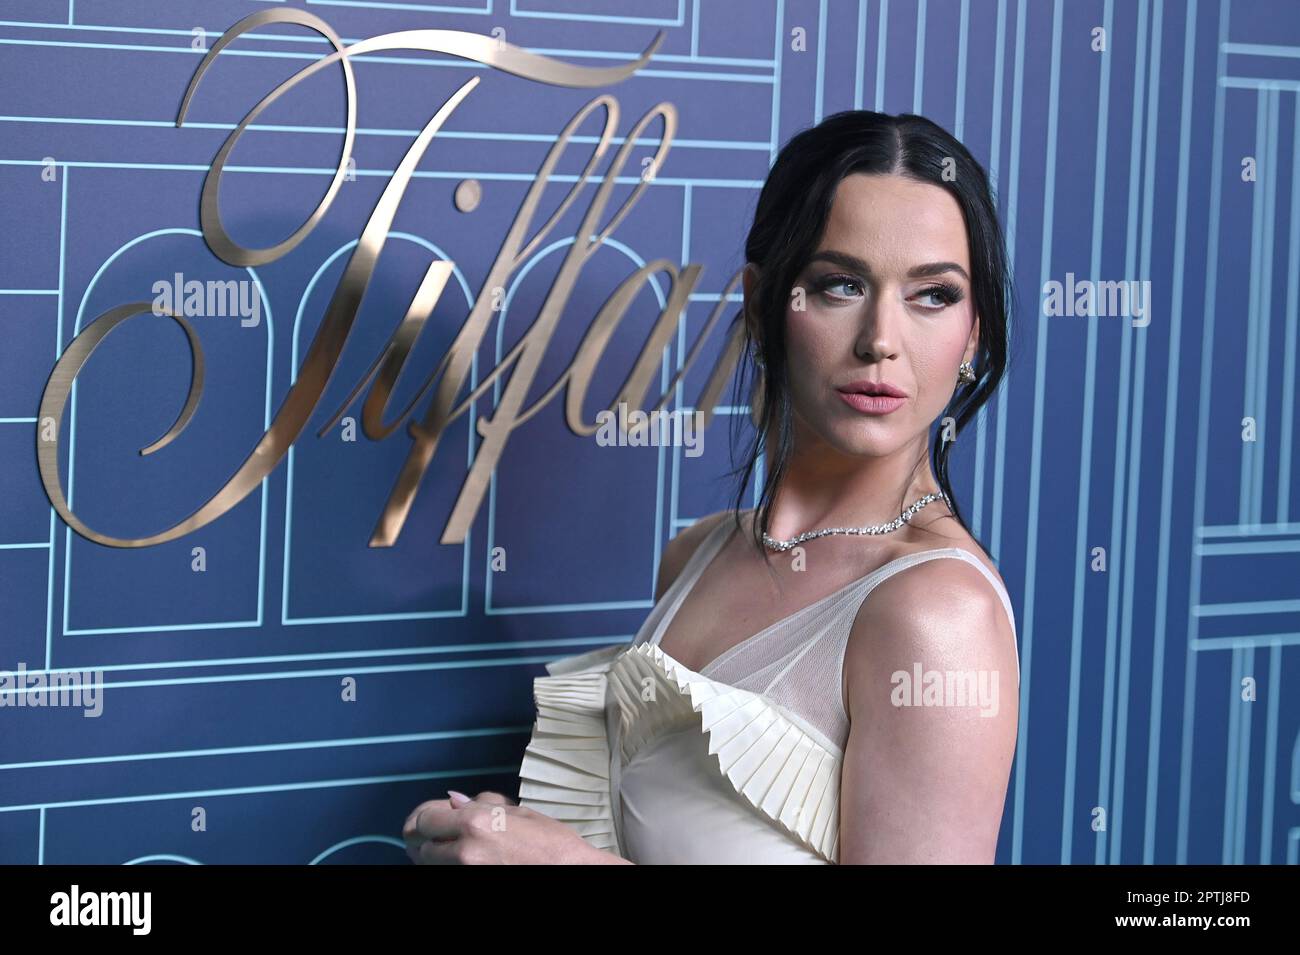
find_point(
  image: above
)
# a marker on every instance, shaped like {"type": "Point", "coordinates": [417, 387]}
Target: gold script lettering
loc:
{"type": "Point", "coordinates": [323, 354]}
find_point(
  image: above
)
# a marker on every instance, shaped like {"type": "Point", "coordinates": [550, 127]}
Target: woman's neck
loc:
{"type": "Point", "coordinates": [824, 488]}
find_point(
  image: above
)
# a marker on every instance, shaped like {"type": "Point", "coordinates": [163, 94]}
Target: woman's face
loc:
{"type": "Point", "coordinates": [886, 298]}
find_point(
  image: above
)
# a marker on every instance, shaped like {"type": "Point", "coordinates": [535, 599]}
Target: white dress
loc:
{"type": "Point", "coordinates": [738, 763]}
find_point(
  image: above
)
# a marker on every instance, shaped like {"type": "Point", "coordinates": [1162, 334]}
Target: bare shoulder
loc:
{"type": "Point", "coordinates": [940, 529]}
{"type": "Point", "coordinates": [931, 690]}
{"type": "Point", "coordinates": [679, 550]}
{"type": "Point", "coordinates": [944, 614]}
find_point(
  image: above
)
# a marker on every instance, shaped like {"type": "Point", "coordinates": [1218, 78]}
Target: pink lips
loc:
{"type": "Point", "coordinates": [872, 397]}
{"type": "Point", "coordinates": [872, 404]}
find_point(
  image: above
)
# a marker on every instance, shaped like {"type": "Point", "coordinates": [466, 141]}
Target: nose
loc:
{"type": "Point", "coordinates": [877, 337]}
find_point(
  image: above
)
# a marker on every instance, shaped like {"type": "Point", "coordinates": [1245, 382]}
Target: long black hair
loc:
{"type": "Point", "coordinates": [789, 221]}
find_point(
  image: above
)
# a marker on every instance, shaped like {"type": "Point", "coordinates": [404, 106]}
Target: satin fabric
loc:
{"type": "Point", "coordinates": [678, 809]}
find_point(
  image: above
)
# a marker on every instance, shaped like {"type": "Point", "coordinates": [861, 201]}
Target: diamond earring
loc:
{"type": "Point", "coordinates": [966, 372]}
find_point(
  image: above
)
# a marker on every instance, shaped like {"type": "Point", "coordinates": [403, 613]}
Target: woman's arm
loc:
{"type": "Point", "coordinates": [925, 777]}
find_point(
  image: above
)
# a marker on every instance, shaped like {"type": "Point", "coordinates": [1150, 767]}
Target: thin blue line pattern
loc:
{"type": "Point", "coordinates": [1170, 449]}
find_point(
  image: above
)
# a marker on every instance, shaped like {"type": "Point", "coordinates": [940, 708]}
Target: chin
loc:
{"type": "Point", "coordinates": [859, 439]}
{"type": "Point", "coordinates": [857, 435]}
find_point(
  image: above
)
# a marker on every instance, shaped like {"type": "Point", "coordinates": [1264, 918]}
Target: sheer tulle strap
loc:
{"type": "Point", "coordinates": [690, 573]}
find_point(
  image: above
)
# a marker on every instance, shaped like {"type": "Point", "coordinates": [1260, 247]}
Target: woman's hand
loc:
{"type": "Point", "coordinates": [491, 830]}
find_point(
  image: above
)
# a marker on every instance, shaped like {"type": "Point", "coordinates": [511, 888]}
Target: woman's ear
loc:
{"type": "Point", "coordinates": [972, 341]}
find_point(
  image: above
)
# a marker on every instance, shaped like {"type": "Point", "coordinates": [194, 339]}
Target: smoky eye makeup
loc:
{"type": "Point", "coordinates": [940, 294]}
{"type": "Point", "coordinates": [841, 287]}
{"type": "Point", "coordinates": [831, 285]}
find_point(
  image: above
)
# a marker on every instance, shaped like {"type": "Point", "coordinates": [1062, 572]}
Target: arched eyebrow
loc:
{"type": "Point", "coordinates": [848, 261]}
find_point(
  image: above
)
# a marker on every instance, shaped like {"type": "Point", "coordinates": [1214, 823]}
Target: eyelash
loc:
{"type": "Point", "coordinates": [830, 281]}
{"type": "Point", "coordinates": [947, 293]}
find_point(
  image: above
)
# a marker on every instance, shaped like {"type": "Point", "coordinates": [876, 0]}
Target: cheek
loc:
{"type": "Point", "coordinates": [814, 337]}
{"type": "Point", "coordinates": [800, 333]}
{"type": "Point", "coordinates": [936, 355]}
{"type": "Point", "coordinates": [811, 349]}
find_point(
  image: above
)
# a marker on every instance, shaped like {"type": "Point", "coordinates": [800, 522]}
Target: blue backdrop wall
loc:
{"type": "Point", "coordinates": [1155, 689]}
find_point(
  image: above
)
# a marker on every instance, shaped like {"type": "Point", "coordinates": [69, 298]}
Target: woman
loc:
{"type": "Point", "coordinates": [796, 694]}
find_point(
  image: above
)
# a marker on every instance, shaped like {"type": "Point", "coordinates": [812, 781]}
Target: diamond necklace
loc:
{"type": "Point", "coordinates": [781, 546]}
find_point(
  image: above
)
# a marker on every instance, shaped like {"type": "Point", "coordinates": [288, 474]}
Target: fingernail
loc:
{"type": "Point", "coordinates": [457, 799]}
